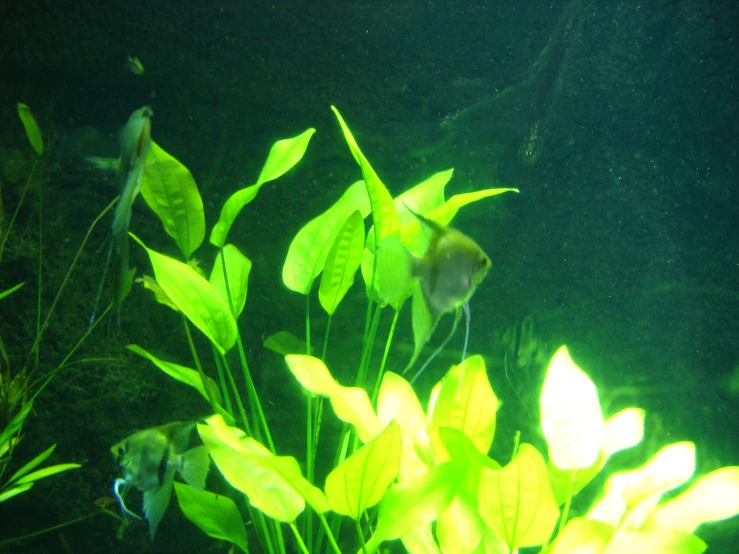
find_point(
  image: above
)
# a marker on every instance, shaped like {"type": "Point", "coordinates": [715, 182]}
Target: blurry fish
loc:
{"type": "Point", "coordinates": [135, 141]}
{"type": "Point", "coordinates": [448, 274]}
{"type": "Point", "coordinates": [134, 65]}
{"type": "Point", "coordinates": [148, 460]}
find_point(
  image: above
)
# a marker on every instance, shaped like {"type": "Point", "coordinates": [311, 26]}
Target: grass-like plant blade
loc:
{"type": "Point", "coordinates": [180, 373]}
{"type": "Point", "coordinates": [10, 291]}
{"type": "Point", "coordinates": [351, 404]}
{"type": "Point", "coordinates": [15, 425]}
{"type": "Point", "coordinates": [238, 268]}
{"type": "Point", "coordinates": [415, 502]}
{"type": "Point", "coordinates": [214, 514]}
{"type": "Point", "coordinates": [342, 263]}
{"type": "Point", "coordinates": [309, 249]}
{"type": "Point", "coordinates": [384, 215]}
{"type": "Point", "coordinates": [46, 472]}
{"type": "Point", "coordinates": [469, 406]}
{"type": "Point", "coordinates": [361, 480]}
{"type": "Point", "coordinates": [10, 493]}
{"type": "Point", "coordinates": [195, 297]}
{"type": "Point", "coordinates": [32, 464]}
{"type": "Point", "coordinates": [32, 129]}
{"type": "Point", "coordinates": [283, 155]}
{"type": "Point", "coordinates": [516, 502]}
{"type": "Point", "coordinates": [170, 191]}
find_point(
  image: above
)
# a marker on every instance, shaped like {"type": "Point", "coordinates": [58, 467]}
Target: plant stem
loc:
{"type": "Point", "coordinates": [196, 359]}
{"type": "Point", "coordinates": [15, 213]}
{"type": "Point", "coordinates": [299, 538]}
{"type": "Point", "coordinates": [360, 535]}
{"type": "Point", "coordinates": [388, 342]}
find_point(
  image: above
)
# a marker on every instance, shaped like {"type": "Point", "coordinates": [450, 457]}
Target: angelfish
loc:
{"type": "Point", "coordinates": [148, 461]}
{"type": "Point", "coordinates": [135, 141]}
{"type": "Point", "coordinates": [447, 276]}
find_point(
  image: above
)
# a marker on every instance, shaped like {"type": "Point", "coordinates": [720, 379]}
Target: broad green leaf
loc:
{"type": "Point", "coordinates": [32, 464]}
{"type": "Point", "coordinates": [180, 373]}
{"type": "Point", "coordinates": [284, 343]}
{"type": "Point", "coordinates": [423, 197]}
{"type": "Point", "coordinates": [32, 129]}
{"type": "Point", "coordinates": [414, 503]}
{"type": "Point", "coordinates": [384, 214]}
{"type": "Point", "coordinates": [273, 484]}
{"type": "Point", "coordinates": [361, 480]}
{"type": "Point", "coordinates": [216, 515]}
{"type": "Point", "coordinates": [461, 450]}
{"type": "Point", "coordinates": [566, 481]}
{"type": "Point", "coordinates": [195, 297]}
{"type": "Point", "coordinates": [397, 401]}
{"type": "Point", "coordinates": [238, 267]}
{"type": "Point", "coordinates": [445, 213]}
{"type": "Point", "coordinates": [283, 155]}
{"type": "Point", "coordinates": [466, 402]}
{"type": "Point", "coordinates": [459, 528]}
{"type": "Point", "coordinates": [516, 501]}
{"type": "Point", "coordinates": [712, 498]}
{"type": "Point", "coordinates": [571, 418]}
{"type": "Point", "coordinates": [46, 472]}
{"type": "Point", "coordinates": [623, 430]}
{"type": "Point", "coordinates": [342, 263]}
{"type": "Point", "coordinates": [170, 191]}
{"type": "Point", "coordinates": [310, 247]}
{"type": "Point", "coordinates": [10, 291]}
{"type": "Point", "coordinates": [351, 404]}
{"type": "Point", "coordinates": [10, 493]}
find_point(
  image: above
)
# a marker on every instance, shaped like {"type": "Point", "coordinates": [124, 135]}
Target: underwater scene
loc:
{"type": "Point", "coordinates": [354, 276]}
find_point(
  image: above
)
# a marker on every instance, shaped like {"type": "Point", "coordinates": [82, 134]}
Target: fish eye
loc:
{"type": "Point", "coordinates": [120, 454]}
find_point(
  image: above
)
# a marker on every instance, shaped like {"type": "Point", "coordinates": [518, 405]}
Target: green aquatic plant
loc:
{"type": "Point", "coordinates": [402, 472]}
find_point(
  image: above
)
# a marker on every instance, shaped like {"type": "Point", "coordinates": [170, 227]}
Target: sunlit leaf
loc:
{"type": "Point", "coordinates": [460, 449]}
{"type": "Point", "coordinates": [623, 430]}
{"type": "Point", "coordinates": [195, 297]}
{"type": "Point", "coordinates": [516, 502]}
{"type": "Point", "coordinates": [238, 268]}
{"type": "Point", "coordinates": [170, 191]}
{"type": "Point", "coordinates": [712, 498]}
{"type": "Point", "coordinates": [342, 263]}
{"type": "Point", "coordinates": [384, 215]}
{"type": "Point", "coordinates": [32, 129]}
{"type": "Point", "coordinates": [309, 249]}
{"type": "Point", "coordinates": [469, 406]}
{"type": "Point", "coordinates": [216, 515]}
{"type": "Point", "coordinates": [571, 418]}
{"type": "Point", "coordinates": [283, 155]}
{"type": "Point", "coordinates": [351, 404]}
{"type": "Point", "coordinates": [459, 528]}
{"type": "Point", "coordinates": [361, 480]}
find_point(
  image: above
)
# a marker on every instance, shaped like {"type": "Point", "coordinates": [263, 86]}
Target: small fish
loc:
{"type": "Point", "coordinates": [134, 65]}
{"type": "Point", "coordinates": [148, 461]}
{"type": "Point", "coordinates": [448, 274]}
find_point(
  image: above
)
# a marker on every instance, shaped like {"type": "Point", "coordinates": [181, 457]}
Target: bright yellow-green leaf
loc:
{"type": "Point", "coordinates": [180, 373]}
{"type": "Point", "coordinates": [216, 515]}
{"type": "Point", "coordinates": [516, 502]}
{"type": "Point", "coordinates": [712, 498]}
{"type": "Point", "coordinates": [623, 430]}
{"type": "Point", "coordinates": [238, 267]}
{"type": "Point", "coordinates": [384, 214]}
{"type": "Point", "coordinates": [310, 247]}
{"type": "Point", "coordinates": [361, 480]}
{"type": "Point", "coordinates": [170, 191]}
{"type": "Point", "coordinates": [32, 129]}
{"type": "Point", "coordinates": [10, 291]}
{"type": "Point", "coordinates": [571, 418]}
{"type": "Point", "coordinates": [469, 406]}
{"type": "Point", "coordinates": [283, 155]}
{"type": "Point", "coordinates": [669, 468]}
{"type": "Point", "coordinates": [423, 197]}
{"type": "Point", "coordinates": [397, 401]}
{"type": "Point", "coordinates": [561, 480]}
{"type": "Point", "coordinates": [284, 343]}
{"type": "Point", "coordinates": [445, 213]}
{"type": "Point", "coordinates": [461, 450]}
{"type": "Point", "coordinates": [416, 502]}
{"type": "Point", "coordinates": [10, 493]}
{"type": "Point", "coordinates": [351, 404]}
{"type": "Point", "coordinates": [149, 283]}
{"type": "Point", "coordinates": [46, 472]}
{"type": "Point", "coordinates": [195, 297]}
{"type": "Point", "coordinates": [459, 528]}
{"type": "Point", "coordinates": [421, 541]}
{"type": "Point", "coordinates": [342, 263]}
{"type": "Point", "coordinates": [587, 536]}
{"type": "Point", "coordinates": [272, 483]}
